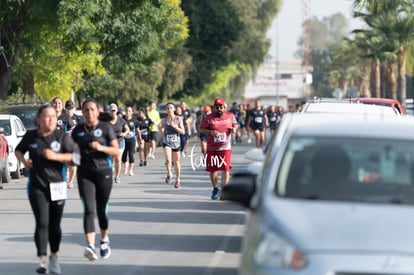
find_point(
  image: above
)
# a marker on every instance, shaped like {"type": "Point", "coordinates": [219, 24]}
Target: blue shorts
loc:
{"type": "Point", "coordinates": [203, 137]}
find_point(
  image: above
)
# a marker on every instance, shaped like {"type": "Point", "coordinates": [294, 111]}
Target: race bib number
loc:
{"type": "Point", "coordinates": [258, 119]}
{"type": "Point", "coordinates": [273, 118]}
{"type": "Point", "coordinates": [172, 138]}
{"type": "Point", "coordinates": [144, 132]}
{"type": "Point", "coordinates": [221, 137]}
{"type": "Point", "coordinates": [58, 191]}
{"type": "Point", "coordinates": [130, 134]}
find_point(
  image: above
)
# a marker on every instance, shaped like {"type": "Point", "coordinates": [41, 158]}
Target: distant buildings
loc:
{"type": "Point", "coordinates": [284, 83]}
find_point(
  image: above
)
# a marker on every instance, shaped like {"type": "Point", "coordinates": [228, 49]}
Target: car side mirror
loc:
{"type": "Point", "coordinates": [241, 188]}
{"type": "Point", "coordinates": [20, 133]}
{"type": "Point", "coordinates": [1, 130]}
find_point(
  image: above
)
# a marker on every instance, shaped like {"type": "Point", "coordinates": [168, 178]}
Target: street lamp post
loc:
{"type": "Point", "coordinates": [277, 63]}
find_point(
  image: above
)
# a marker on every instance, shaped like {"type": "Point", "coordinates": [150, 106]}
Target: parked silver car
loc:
{"type": "Point", "coordinates": [335, 196]}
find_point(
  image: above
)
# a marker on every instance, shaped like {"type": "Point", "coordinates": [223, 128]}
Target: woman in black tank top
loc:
{"type": "Point", "coordinates": [171, 129]}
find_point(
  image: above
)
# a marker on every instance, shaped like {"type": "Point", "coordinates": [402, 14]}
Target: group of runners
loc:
{"type": "Point", "coordinates": [94, 148]}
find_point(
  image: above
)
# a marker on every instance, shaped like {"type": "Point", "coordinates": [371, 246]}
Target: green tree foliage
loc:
{"type": "Point", "coordinates": [326, 35]}
{"type": "Point", "coordinates": [97, 47]}
{"type": "Point", "coordinates": [132, 51]}
{"type": "Point", "coordinates": [43, 58]}
{"type": "Point", "coordinates": [391, 23]}
{"type": "Point", "coordinates": [136, 37]}
{"type": "Point", "coordinates": [226, 34]}
{"type": "Point", "coordinates": [177, 68]}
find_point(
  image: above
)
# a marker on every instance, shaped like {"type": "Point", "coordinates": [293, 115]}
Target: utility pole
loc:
{"type": "Point", "coordinates": [306, 46]}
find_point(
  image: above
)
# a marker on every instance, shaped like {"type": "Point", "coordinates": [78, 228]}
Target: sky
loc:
{"type": "Point", "coordinates": [287, 26]}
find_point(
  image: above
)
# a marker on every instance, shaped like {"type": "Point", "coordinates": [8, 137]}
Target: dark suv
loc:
{"type": "Point", "coordinates": [26, 113]}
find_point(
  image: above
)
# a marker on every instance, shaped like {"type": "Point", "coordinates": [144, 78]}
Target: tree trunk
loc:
{"type": "Point", "coordinates": [377, 78]}
{"type": "Point", "coordinates": [372, 77]}
{"type": "Point", "coordinates": [5, 75]}
{"type": "Point", "coordinates": [392, 81]}
{"type": "Point", "coordinates": [364, 90]}
{"type": "Point", "coordinates": [28, 87]}
{"type": "Point", "coordinates": [383, 81]}
{"type": "Point", "coordinates": [402, 89]}
{"type": "Point", "coordinates": [5, 82]}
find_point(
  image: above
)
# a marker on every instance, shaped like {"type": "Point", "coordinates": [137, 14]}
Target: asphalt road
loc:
{"type": "Point", "coordinates": [154, 228]}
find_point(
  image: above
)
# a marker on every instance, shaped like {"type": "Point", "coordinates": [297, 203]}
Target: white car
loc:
{"type": "Point", "coordinates": [336, 196]}
{"type": "Point", "coordinates": [348, 107]}
{"type": "Point", "coordinates": [14, 130]}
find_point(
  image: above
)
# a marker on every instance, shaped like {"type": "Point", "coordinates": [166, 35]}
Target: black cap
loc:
{"type": "Point", "coordinates": [69, 105]}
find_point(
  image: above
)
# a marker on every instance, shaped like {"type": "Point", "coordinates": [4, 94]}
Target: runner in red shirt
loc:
{"type": "Point", "coordinates": [218, 126]}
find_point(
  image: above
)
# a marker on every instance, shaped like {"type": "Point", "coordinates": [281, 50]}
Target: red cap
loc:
{"type": "Point", "coordinates": [207, 109]}
{"type": "Point", "coordinates": [219, 101]}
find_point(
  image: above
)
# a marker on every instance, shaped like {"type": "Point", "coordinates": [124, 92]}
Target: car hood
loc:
{"type": "Point", "coordinates": [327, 225]}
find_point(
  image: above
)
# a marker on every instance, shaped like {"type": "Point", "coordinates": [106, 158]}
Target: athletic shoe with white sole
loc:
{"type": "Point", "coordinates": [90, 253]}
{"type": "Point", "coordinates": [54, 266]}
{"type": "Point", "coordinates": [105, 250]}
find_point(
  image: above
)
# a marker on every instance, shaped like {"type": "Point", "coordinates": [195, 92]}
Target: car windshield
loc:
{"type": "Point", "coordinates": [351, 169]}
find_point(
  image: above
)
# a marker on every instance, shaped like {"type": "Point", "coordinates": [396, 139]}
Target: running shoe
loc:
{"type": "Point", "coordinates": [131, 173]}
{"type": "Point", "coordinates": [177, 184]}
{"type": "Point", "coordinates": [70, 185]}
{"type": "Point", "coordinates": [168, 179]}
{"type": "Point", "coordinates": [141, 163]}
{"type": "Point", "coordinates": [90, 253]}
{"type": "Point", "coordinates": [41, 269]}
{"type": "Point", "coordinates": [54, 266]}
{"type": "Point", "coordinates": [105, 249]}
{"type": "Point", "coordinates": [145, 163]}
{"type": "Point", "coordinates": [215, 194]}
{"type": "Point", "coordinates": [117, 180]}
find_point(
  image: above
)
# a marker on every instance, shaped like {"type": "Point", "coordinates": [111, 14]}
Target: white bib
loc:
{"type": "Point", "coordinates": [172, 138]}
{"type": "Point", "coordinates": [221, 137]}
{"type": "Point", "coordinates": [58, 191]}
{"type": "Point", "coordinates": [258, 119]}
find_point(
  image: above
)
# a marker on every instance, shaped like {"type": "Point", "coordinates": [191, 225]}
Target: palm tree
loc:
{"type": "Point", "coordinates": [393, 23]}
{"type": "Point", "coordinates": [398, 30]}
{"type": "Point", "coordinates": [345, 65]}
{"type": "Point", "coordinates": [374, 47]}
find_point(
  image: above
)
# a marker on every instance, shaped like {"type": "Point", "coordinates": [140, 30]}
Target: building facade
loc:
{"type": "Point", "coordinates": [284, 83]}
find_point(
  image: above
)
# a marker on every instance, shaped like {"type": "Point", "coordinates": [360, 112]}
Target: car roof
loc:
{"type": "Point", "coordinates": [346, 107]}
{"type": "Point", "coordinates": [8, 116]}
{"type": "Point", "coordinates": [391, 102]}
{"type": "Point", "coordinates": [352, 125]}
{"type": "Point", "coordinates": [21, 107]}
{"type": "Point", "coordinates": [376, 99]}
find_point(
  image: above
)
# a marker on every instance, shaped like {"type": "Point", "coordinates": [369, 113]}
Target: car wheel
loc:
{"type": "Point", "coordinates": [6, 178]}
{"type": "Point", "coordinates": [16, 174]}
